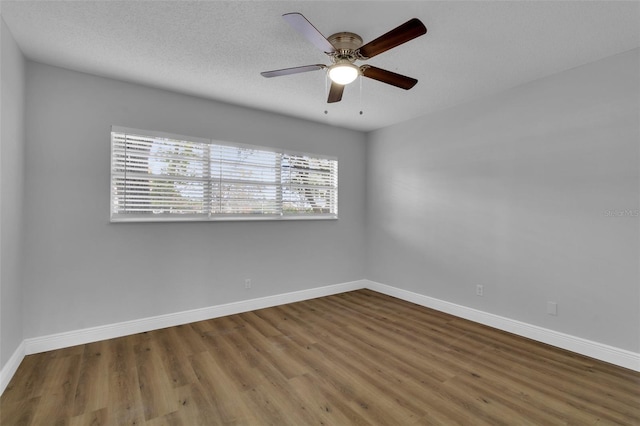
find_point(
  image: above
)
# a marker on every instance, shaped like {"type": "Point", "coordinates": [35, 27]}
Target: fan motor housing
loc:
{"type": "Point", "coordinates": [345, 41]}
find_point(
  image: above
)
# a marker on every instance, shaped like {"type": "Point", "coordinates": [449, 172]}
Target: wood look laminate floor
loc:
{"type": "Point", "coordinates": [358, 358]}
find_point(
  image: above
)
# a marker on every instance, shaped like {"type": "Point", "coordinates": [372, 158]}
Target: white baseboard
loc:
{"type": "Point", "coordinates": [600, 351]}
{"type": "Point", "coordinates": [110, 331]}
{"type": "Point", "coordinates": [10, 368]}
{"type": "Point", "coordinates": [589, 348]}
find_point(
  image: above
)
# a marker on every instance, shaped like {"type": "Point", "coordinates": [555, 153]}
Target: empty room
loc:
{"type": "Point", "coordinates": [319, 213]}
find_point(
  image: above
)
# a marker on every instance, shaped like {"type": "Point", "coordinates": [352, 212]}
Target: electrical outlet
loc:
{"type": "Point", "coordinates": [479, 290]}
{"type": "Point", "coordinates": [552, 308]}
{"type": "Point", "coordinates": [247, 283]}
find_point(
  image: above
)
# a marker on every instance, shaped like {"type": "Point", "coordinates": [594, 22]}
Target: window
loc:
{"type": "Point", "coordinates": [160, 177]}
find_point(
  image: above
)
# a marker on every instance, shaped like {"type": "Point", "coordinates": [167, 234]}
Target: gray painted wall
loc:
{"type": "Point", "coordinates": [12, 138]}
{"type": "Point", "coordinates": [82, 271]}
{"type": "Point", "coordinates": [512, 192]}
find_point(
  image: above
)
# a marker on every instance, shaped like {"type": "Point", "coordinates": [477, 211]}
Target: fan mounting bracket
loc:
{"type": "Point", "coordinates": [345, 41]}
{"type": "Point", "coordinates": [346, 45]}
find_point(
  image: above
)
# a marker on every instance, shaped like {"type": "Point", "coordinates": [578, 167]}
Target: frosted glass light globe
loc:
{"type": "Point", "coordinates": [343, 73]}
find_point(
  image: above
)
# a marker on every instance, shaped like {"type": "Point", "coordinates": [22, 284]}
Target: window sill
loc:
{"type": "Point", "coordinates": [220, 219]}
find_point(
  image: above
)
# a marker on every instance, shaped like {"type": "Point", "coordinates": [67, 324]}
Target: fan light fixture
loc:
{"type": "Point", "coordinates": [343, 73]}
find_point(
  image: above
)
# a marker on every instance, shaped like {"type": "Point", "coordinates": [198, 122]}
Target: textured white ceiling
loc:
{"type": "Point", "coordinates": [216, 49]}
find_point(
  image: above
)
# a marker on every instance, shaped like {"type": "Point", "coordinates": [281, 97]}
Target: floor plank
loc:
{"type": "Point", "coordinates": [356, 358]}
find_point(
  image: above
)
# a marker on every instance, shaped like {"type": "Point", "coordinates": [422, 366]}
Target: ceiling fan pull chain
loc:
{"type": "Point", "coordinates": [360, 94]}
{"type": "Point", "coordinates": [326, 89]}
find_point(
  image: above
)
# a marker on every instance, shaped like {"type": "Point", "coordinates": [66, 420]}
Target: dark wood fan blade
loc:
{"type": "Point", "coordinates": [402, 34]}
{"type": "Point", "coordinates": [294, 70]}
{"type": "Point", "coordinates": [398, 80]}
{"type": "Point", "coordinates": [335, 93]}
{"type": "Point", "coordinates": [304, 27]}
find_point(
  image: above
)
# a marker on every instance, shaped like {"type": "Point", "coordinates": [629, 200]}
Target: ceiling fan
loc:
{"type": "Point", "coordinates": [345, 48]}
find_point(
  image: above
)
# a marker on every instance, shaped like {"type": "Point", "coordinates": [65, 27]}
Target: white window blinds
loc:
{"type": "Point", "coordinates": [309, 184]}
{"type": "Point", "coordinates": [157, 177]}
{"type": "Point", "coordinates": [245, 181]}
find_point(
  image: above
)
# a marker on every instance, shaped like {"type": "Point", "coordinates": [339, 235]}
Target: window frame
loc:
{"type": "Point", "coordinates": [208, 197]}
